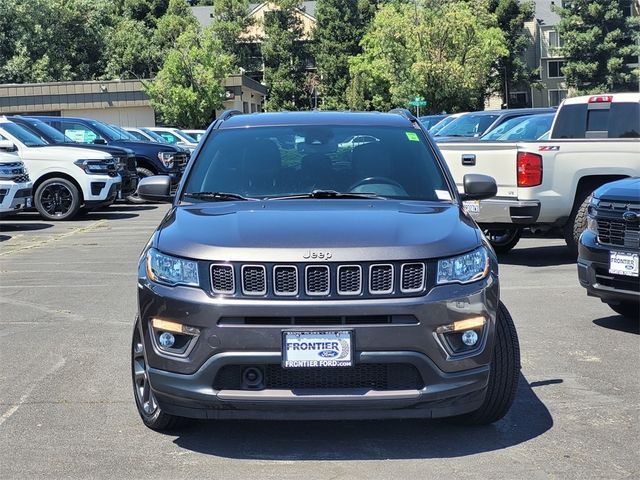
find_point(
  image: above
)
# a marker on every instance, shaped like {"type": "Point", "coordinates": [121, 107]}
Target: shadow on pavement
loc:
{"type": "Point", "coordinates": [368, 440]}
{"type": "Point", "coordinates": [124, 207]}
{"type": "Point", "coordinates": [107, 215]}
{"type": "Point", "coordinates": [23, 227]}
{"type": "Point", "coordinates": [538, 256]}
{"type": "Point", "coordinates": [620, 323]}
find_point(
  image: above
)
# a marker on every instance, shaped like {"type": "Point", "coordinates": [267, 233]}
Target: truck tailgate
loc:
{"type": "Point", "coordinates": [496, 159]}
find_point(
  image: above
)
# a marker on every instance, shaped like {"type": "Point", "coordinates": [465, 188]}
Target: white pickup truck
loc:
{"type": "Point", "coordinates": [64, 178]}
{"type": "Point", "coordinates": [15, 185]}
{"type": "Point", "coordinates": [546, 184]}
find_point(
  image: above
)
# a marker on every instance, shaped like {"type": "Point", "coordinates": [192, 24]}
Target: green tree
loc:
{"type": "Point", "coordinates": [176, 20]}
{"type": "Point", "coordinates": [337, 34]}
{"type": "Point", "coordinates": [284, 57]}
{"type": "Point", "coordinates": [599, 42]}
{"type": "Point", "coordinates": [131, 54]}
{"type": "Point", "coordinates": [189, 88]}
{"type": "Point", "coordinates": [230, 24]}
{"type": "Point", "coordinates": [512, 68]}
{"type": "Point", "coordinates": [442, 50]}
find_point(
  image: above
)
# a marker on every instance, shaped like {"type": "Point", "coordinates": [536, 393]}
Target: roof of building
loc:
{"type": "Point", "coordinates": [544, 11]}
{"type": "Point", "coordinates": [203, 14]}
{"type": "Point", "coordinates": [316, 118]}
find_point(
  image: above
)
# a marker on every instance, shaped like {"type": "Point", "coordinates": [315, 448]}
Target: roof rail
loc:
{"type": "Point", "coordinates": [405, 113]}
{"type": "Point", "coordinates": [227, 114]}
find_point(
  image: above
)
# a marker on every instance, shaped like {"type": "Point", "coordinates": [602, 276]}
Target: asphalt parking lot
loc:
{"type": "Point", "coordinates": [67, 302]}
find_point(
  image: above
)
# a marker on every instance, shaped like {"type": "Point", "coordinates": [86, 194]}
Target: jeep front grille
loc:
{"type": "Point", "coordinates": [312, 281]}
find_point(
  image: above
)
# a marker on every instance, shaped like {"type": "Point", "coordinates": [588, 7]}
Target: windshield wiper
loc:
{"type": "Point", "coordinates": [217, 196]}
{"type": "Point", "coordinates": [327, 194]}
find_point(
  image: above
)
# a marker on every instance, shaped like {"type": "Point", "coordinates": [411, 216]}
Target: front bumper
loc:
{"type": "Point", "coordinates": [129, 183]}
{"type": "Point", "coordinates": [593, 272]}
{"type": "Point", "coordinates": [453, 384]}
{"type": "Point", "coordinates": [507, 211]}
{"type": "Point", "coordinates": [108, 193]}
{"type": "Point", "coordinates": [15, 196]}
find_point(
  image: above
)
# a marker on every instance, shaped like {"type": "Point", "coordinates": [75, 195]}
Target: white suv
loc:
{"type": "Point", "coordinates": [15, 186]}
{"type": "Point", "coordinates": [64, 178]}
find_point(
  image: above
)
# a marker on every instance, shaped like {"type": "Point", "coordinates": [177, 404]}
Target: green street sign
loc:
{"type": "Point", "coordinates": [418, 103]}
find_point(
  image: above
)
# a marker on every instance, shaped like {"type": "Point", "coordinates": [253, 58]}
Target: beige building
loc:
{"type": "Point", "coordinates": [121, 102]}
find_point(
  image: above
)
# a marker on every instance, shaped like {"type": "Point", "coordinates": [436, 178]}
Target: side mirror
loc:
{"type": "Point", "coordinates": [7, 146]}
{"type": "Point", "coordinates": [155, 189]}
{"type": "Point", "coordinates": [477, 186]}
{"type": "Point", "coordinates": [100, 141]}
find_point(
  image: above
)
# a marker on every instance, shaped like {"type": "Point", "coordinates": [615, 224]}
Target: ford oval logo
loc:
{"type": "Point", "coordinates": [328, 353]}
{"type": "Point", "coordinates": [630, 216]}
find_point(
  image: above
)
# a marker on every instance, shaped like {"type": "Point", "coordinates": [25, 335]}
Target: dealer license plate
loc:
{"type": "Point", "coordinates": [623, 263]}
{"type": "Point", "coordinates": [471, 206]}
{"type": "Point", "coordinates": [317, 349]}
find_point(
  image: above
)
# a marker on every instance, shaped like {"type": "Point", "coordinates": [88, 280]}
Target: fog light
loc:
{"type": "Point", "coordinates": [167, 340]}
{"type": "Point", "coordinates": [470, 338]}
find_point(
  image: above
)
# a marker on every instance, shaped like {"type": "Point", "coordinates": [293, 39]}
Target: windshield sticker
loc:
{"type": "Point", "coordinates": [412, 136]}
{"type": "Point", "coordinates": [443, 195]}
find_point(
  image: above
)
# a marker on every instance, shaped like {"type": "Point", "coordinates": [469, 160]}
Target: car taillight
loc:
{"type": "Point", "coordinates": [529, 169]}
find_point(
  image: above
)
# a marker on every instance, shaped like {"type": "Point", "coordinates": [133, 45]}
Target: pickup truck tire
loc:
{"type": "Point", "coordinates": [57, 199]}
{"type": "Point", "coordinates": [627, 309]}
{"type": "Point", "coordinates": [142, 173]}
{"type": "Point", "coordinates": [148, 409]}
{"type": "Point", "coordinates": [503, 241]}
{"type": "Point", "coordinates": [503, 377]}
{"type": "Point", "coordinates": [576, 224]}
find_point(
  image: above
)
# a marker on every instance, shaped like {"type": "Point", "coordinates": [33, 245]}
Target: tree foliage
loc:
{"type": "Point", "coordinates": [284, 57]}
{"type": "Point", "coordinates": [442, 50]}
{"type": "Point", "coordinates": [230, 23]}
{"type": "Point", "coordinates": [599, 43]}
{"type": "Point", "coordinates": [190, 86]}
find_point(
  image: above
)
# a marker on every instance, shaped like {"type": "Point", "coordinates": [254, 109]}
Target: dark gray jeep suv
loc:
{"type": "Point", "coordinates": [302, 275]}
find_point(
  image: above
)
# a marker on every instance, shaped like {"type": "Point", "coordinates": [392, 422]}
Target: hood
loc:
{"type": "Point", "coordinates": [147, 147]}
{"type": "Point", "coordinates": [456, 139]}
{"type": "Point", "coordinates": [111, 150]}
{"type": "Point", "coordinates": [625, 190]}
{"type": "Point", "coordinates": [53, 152]}
{"type": "Point", "coordinates": [288, 230]}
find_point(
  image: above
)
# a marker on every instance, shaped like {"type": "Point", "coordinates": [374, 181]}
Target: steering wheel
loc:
{"type": "Point", "coordinates": [373, 180]}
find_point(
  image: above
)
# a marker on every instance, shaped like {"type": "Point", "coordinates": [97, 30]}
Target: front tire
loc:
{"type": "Point", "coordinates": [576, 224]}
{"type": "Point", "coordinates": [503, 377]}
{"type": "Point", "coordinates": [630, 310]}
{"type": "Point", "coordinates": [503, 241]}
{"type": "Point", "coordinates": [142, 173]}
{"type": "Point", "coordinates": [57, 199]}
{"type": "Point", "coordinates": [148, 408]}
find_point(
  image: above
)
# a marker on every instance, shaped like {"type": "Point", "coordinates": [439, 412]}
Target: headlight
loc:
{"type": "Point", "coordinates": [11, 170]}
{"type": "Point", "coordinates": [97, 167]}
{"type": "Point", "coordinates": [166, 158]}
{"type": "Point", "coordinates": [592, 224]}
{"type": "Point", "coordinates": [170, 270]}
{"type": "Point", "coordinates": [465, 268]}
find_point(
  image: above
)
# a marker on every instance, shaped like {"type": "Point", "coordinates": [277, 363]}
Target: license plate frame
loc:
{"type": "Point", "coordinates": [337, 356]}
{"type": "Point", "coordinates": [624, 263]}
{"type": "Point", "coordinates": [472, 207]}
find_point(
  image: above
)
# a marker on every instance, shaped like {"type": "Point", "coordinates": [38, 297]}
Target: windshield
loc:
{"type": "Point", "coordinates": [429, 121]}
{"type": "Point", "coordinates": [442, 123]}
{"type": "Point", "coordinates": [503, 128]}
{"type": "Point", "coordinates": [106, 131]}
{"type": "Point", "coordinates": [267, 162]}
{"type": "Point", "coordinates": [531, 129]}
{"type": "Point", "coordinates": [23, 135]}
{"type": "Point", "coordinates": [186, 136]}
{"type": "Point", "coordinates": [124, 135]}
{"type": "Point", "coordinates": [47, 132]}
{"type": "Point", "coordinates": [154, 135]}
{"type": "Point", "coordinates": [471, 125]}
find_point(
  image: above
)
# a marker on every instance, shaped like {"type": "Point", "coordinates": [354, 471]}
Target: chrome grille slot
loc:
{"type": "Point", "coordinates": [412, 277]}
{"type": "Point", "coordinates": [317, 280]}
{"type": "Point", "coordinates": [222, 279]}
{"type": "Point", "coordinates": [381, 279]}
{"type": "Point", "coordinates": [254, 280]}
{"type": "Point", "coordinates": [285, 280]}
{"type": "Point", "coordinates": [349, 279]}
{"type": "Point", "coordinates": [613, 229]}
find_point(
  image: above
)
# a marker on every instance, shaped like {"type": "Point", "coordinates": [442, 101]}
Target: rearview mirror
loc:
{"type": "Point", "coordinates": [7, 146]}
{"type": "Point", "coordinates": [478, 186]}
{"type": "Point", "coordinates": [155, 189]}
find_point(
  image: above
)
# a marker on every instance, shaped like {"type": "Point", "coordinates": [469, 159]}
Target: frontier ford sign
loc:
{"type": "Point", "coordinates": [317, 349]}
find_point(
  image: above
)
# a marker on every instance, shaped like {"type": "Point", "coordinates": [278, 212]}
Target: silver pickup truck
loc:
{"type": "Point", "coordinates": [547, 184]}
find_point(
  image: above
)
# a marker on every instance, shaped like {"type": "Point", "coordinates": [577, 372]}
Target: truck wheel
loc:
{"type": "Point", "coordinates": [629, 310]}
{"type": "Point", "coordinates": [503, 377]}
{"type": "Point", "coordinates": [148, 408]}
{"type": "Point", "coordinates": [576, 224]}
{"type": "Point", "coordinates": [503, 241]}
{"type": "Point", "coordinates": [57, 199]}
{"type": "Point", "coordinates": [142, 173]}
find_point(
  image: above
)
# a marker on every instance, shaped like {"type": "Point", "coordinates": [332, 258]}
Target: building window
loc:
{"type": "Point", "coordinates": [556, 97]}
{"type": "Point", "coordinates": [556, 69]}
{"type": "Point", "coordinates": [555, 41]}
{"type": "Point", "coordinates": [245, 107]}
{"type": "Point", "coordinates": [518, 99]}
{"type": "Point", "coordinates": [626, 9]}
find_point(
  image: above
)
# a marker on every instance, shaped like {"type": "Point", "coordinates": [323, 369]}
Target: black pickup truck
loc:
{"type": "Point", "coordinates": [610, 246]}
{"type": "Point", "coordinates": [151, 158]}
